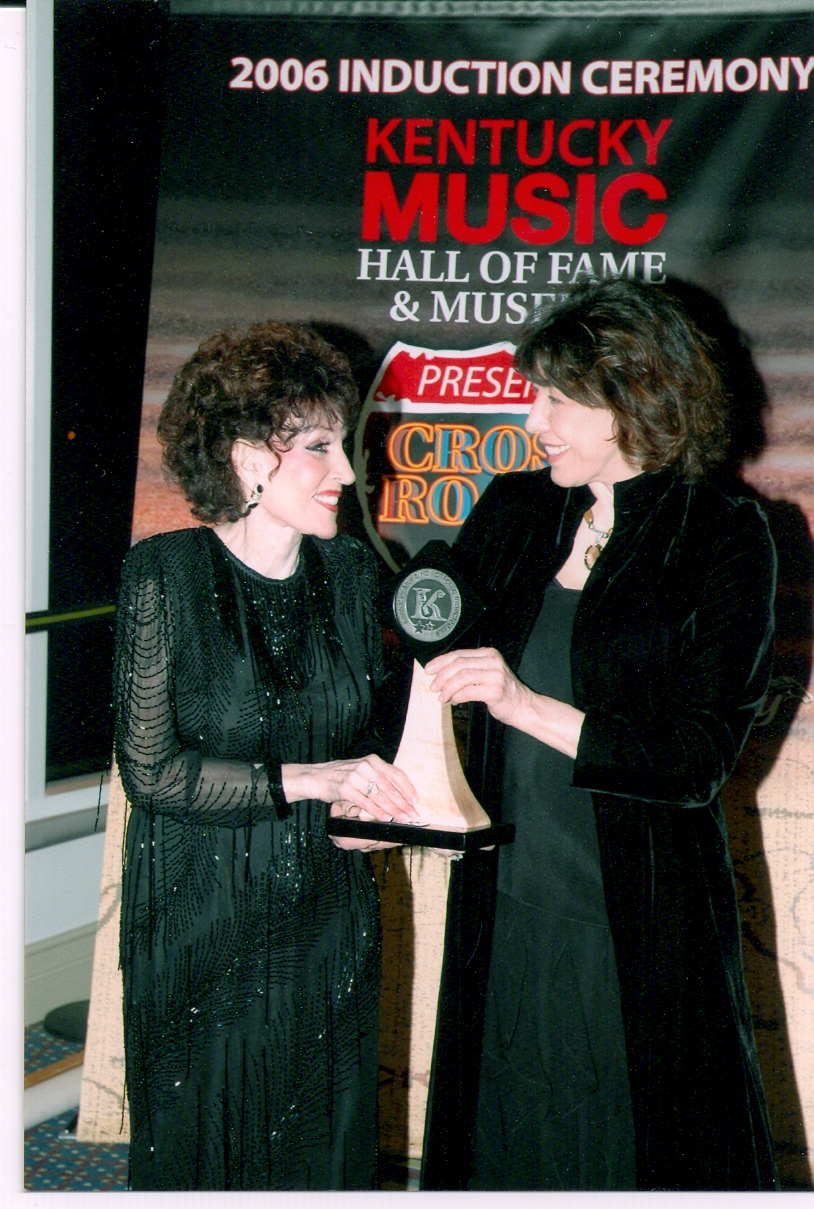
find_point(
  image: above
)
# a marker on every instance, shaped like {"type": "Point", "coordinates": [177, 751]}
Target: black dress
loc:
{"type": "Point", "coordinates": [554, 1110]}
{"type": "Point", "coordinates": [670, 657]}
{"type": "Point", "coordinates": [250, 944]}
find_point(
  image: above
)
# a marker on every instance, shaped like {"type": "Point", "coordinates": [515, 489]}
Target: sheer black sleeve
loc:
{"type": "Point", "coordinates": [158, 774]}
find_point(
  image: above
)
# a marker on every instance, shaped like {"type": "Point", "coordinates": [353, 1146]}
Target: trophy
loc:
{"type": "Point", "coordinates": [431, 607]}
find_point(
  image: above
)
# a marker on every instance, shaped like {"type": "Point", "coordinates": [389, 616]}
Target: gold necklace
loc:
{"type": "Point", "coordinates": [594, 550]}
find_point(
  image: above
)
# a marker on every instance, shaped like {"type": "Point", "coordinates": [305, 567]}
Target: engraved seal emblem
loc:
{"type": "Point", "coordinates": [427, 605]}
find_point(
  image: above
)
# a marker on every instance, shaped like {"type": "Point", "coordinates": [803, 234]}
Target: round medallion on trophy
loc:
{"type": "Point", "coordinates": [428, 604]}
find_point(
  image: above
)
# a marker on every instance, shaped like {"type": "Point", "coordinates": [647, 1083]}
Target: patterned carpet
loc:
{"type": "Point", "coordinates": [41, 1048]}
{"type": "Point", "coordinates": [54, 1160]}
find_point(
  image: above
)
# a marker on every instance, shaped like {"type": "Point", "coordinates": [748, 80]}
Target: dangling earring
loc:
{"type": "Point", "coordinates": [254, 499]}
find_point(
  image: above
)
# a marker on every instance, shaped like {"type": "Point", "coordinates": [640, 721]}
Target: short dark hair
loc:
{"type": "Point", "coordinates": [632, 348]}
{"type": "Point", "coordinates": [265, 385]}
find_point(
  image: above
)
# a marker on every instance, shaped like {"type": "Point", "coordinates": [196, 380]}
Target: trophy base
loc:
{"type": "Point", "coordinates": [423, 837]}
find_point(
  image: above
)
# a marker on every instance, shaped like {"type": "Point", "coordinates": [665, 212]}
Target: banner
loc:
{"type": "Point", "coordinates": [418, 189]}
{"type": "Point", "coordinates": [433, 183]}
{"type": "Point", "coordinates": [436, 183]}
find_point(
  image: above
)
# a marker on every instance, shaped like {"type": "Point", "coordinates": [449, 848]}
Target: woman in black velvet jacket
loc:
{"type": "Point", "coordinates": [618, 1047]}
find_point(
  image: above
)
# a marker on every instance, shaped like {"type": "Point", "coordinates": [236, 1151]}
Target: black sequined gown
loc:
{"type": "Point", "coordinates": [250, 944]}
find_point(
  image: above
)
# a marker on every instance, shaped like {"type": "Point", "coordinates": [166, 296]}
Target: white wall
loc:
{"type": "Point", "coordinates": [62, 887]}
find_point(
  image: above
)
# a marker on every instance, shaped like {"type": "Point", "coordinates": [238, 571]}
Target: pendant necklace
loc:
{"type": "Point", "coordinates": [593, 551]}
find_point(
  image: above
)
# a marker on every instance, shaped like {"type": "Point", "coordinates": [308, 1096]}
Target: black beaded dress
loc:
{"type": "Point", "coordinates": [250, 944]}
{"type": "Point", "coordinates": [554, 1110]}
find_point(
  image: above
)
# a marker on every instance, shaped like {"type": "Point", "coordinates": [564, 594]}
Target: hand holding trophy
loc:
{"type": "Point", "coordinates": [431, 607]}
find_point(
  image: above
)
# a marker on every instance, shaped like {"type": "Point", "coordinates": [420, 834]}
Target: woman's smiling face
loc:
{"type": "Point", "coordinates": [303, 492]}
{"type": "Point", "coordinates": [579, 441]}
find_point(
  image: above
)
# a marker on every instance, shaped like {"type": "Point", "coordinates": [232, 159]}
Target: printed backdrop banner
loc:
{"type": "Point", "coordinates": [418, 188]}
{"type": "Point", "coordinates": [433, 183]}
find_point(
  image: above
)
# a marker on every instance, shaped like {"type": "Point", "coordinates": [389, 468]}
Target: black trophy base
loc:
{"type": "Point", "coordinates": [424, 837]}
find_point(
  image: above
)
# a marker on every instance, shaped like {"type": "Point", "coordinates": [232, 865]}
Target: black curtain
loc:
{"type": "Point", "coordinates": [109, 72]}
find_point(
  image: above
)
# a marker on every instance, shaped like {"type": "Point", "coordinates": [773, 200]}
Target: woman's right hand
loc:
{"type": "Point", "coordinates": [380, 789]}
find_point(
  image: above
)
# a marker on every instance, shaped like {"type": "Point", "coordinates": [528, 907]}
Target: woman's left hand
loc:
{"type": "Point", "coordinates": [349, 810]}
{"type": "Point", "coordinates": [478, 675]}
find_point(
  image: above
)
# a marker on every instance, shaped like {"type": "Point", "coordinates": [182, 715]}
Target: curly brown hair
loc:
{"type": "Point", "coordinates": [265, 385]}
{"type": "Point", "coordinates": [632, 348]}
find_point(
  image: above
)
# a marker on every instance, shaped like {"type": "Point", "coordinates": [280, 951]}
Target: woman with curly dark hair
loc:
{"type": "Point", "coordinates": [247, 657]}
{"type": "Point", "coordinates": [618, 678]}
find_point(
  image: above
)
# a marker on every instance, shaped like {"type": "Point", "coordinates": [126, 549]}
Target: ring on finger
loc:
{"type": "Point", "coordinates": [372, 789]}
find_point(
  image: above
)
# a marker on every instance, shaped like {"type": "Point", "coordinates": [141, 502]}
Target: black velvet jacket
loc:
{"type": "Point", "coordinates": [671, 655]}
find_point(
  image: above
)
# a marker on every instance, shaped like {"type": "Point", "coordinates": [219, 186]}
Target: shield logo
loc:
{"type": "Point", "coordinates": [435, 428]}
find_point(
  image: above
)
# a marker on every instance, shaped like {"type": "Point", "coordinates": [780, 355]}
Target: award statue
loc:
{"type": "Point", "coordinates": [431, 608]}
